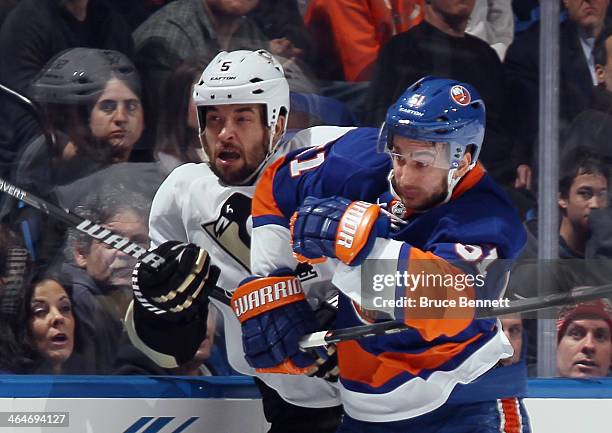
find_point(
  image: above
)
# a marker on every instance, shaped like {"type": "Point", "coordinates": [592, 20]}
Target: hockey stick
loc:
{"type": "Point", "coordinates": [84, 225]}
{"type": "Point", "coordinates": [579, 294]}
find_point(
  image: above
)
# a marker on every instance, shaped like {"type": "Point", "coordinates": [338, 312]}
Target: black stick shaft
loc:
{"type": "Point", "coordinates": [579, 294]}
{"type": "Point", "coordinates": [83, 225]}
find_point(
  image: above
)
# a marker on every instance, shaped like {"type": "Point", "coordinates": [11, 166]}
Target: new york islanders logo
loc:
{"type": "Point", "coordinates": [460, 95]}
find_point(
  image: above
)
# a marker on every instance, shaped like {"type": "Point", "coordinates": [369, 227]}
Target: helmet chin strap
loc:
{"type": "Point", "coordinates": [451, 183]}
{"type": "Point", "coordinates": [391, 188]}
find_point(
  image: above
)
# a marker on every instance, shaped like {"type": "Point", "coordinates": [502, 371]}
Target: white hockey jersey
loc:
{"type": "Point", "coordinates": [192, 205]}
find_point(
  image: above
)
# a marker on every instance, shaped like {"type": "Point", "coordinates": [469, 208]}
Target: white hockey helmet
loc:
{"type": "Point", "coordinates": [244, 77]}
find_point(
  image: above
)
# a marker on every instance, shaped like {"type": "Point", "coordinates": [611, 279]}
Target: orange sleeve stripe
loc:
{"type": "Point", "coordinates": [265, 294]}
{"type": "Point", "coordinates": [361, 366]}
{"type": "Point", "coordinates": [263, 200]}
{"type": "Point", "coordinates": [436, 319]}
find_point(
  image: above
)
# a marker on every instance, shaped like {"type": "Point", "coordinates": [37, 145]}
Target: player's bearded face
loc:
{"type": "Point", "coordinates": [420, 186]}
{"type": "Point", "coordinates": [235, 140]}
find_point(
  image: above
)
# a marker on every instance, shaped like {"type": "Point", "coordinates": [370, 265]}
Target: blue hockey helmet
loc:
{"type": "Point", "coordinates": [438, 110]}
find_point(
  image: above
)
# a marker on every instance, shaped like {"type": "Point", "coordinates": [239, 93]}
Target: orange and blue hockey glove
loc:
{"type": "Point", "coordinates": [337, 227]}
{"type": "Point", "coordinates": [275, 315]}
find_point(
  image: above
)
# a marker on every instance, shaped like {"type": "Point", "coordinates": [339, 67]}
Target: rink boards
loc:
{"type": "Point", "coordinates": [231, 405]}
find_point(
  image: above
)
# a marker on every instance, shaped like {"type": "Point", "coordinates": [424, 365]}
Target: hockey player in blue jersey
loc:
{"type": "Point", "coordinates": [450, 221]}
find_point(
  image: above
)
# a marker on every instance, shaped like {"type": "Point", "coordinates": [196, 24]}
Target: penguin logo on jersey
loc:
{"type": "Point", "coordinates": [230, 231]}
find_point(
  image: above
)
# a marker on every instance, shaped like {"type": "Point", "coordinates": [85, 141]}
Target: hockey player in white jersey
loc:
{"type": "Point", "coordinates": [200, 222]}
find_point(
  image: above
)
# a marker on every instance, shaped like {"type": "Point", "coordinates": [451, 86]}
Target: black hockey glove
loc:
{"type": "Point", "coordinates": [170, 305]}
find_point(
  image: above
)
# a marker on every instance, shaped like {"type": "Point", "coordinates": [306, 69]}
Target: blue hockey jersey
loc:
{"type": "Point", "coordinates": [474, 236]}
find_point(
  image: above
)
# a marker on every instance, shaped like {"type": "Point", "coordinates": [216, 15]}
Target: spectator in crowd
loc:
{"type": "Point", "coordinates": [189, 28]}
{"type": "Point", "coordinates": [51, 324]}
{"type": "Point", "coordinates": [348, 34]}
{"type": "Point", "coordinates": [493, 22]}
{"type": "Point", "coordinates": [512, 325]}
{"type": "Point", "coordinates": [282, 24]}
{"type": "Point", "coordinates": [583, 187]}
{"type": "Point", "coordinates": [209, 360]}
{"type": "Point", "coordinates": [47, 337]}
{"type": "Point", "coordinates": [92, 100]}
{"type": "Point", "coordinates": [14, 271]}
{"type": "Point", "coordinates": [584, 335]}
{"type": "Point", "coordinates": [577, 76]}
{"type": "Point", "coordinates": [594, 125]}
{"type": "Point", "coordinates": [583, 191]}
{"type": "Point", "coordinates": [177, 132]}
{"type": "Point", "coordinates": [101, 276]}
{"type": "Point", "coordinates": [34, 32]}
{"type": "Point", "coordinates": [444, 49]}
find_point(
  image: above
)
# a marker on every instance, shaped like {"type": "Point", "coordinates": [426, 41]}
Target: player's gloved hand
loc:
{"type": "Point", "coordinates": [170, 305]}
{"type": "Point", "coordinates": [274, 315]}
{"type": "Point", "coordinates": [337, 227]}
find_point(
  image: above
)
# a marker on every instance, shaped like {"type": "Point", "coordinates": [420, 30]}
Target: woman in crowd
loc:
{"type": "Point", "coordinates": [51, 326]}
{"type": "Point", "coordinates": [91, 99]}
{"type": "Point", "coordinates": [43, 336]}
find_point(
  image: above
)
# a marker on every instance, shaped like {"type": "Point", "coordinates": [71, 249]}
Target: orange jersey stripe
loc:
{"type": "Point", "coordinates": [469, 180]}
{"type": "Point", "coordinates": [263, 200]}
{"type": "Point", "coordinates": [359, 365]}
{"type": "Point", "coordinates": [511, 416]}
{"type": "Point", "coordinates": [443, 314]}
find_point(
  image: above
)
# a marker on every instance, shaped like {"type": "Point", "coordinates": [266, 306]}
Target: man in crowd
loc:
{"type": "Point", "coordinates": [584, 334]}
{"type": "Point", "coordinates": [101, 276]}
{"type": "Point", "coordinates": [188, 28]}
{"type": "Point", "coordinates": [444, 49]}
{"type": "Point", "coordinates": [585, 22]}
